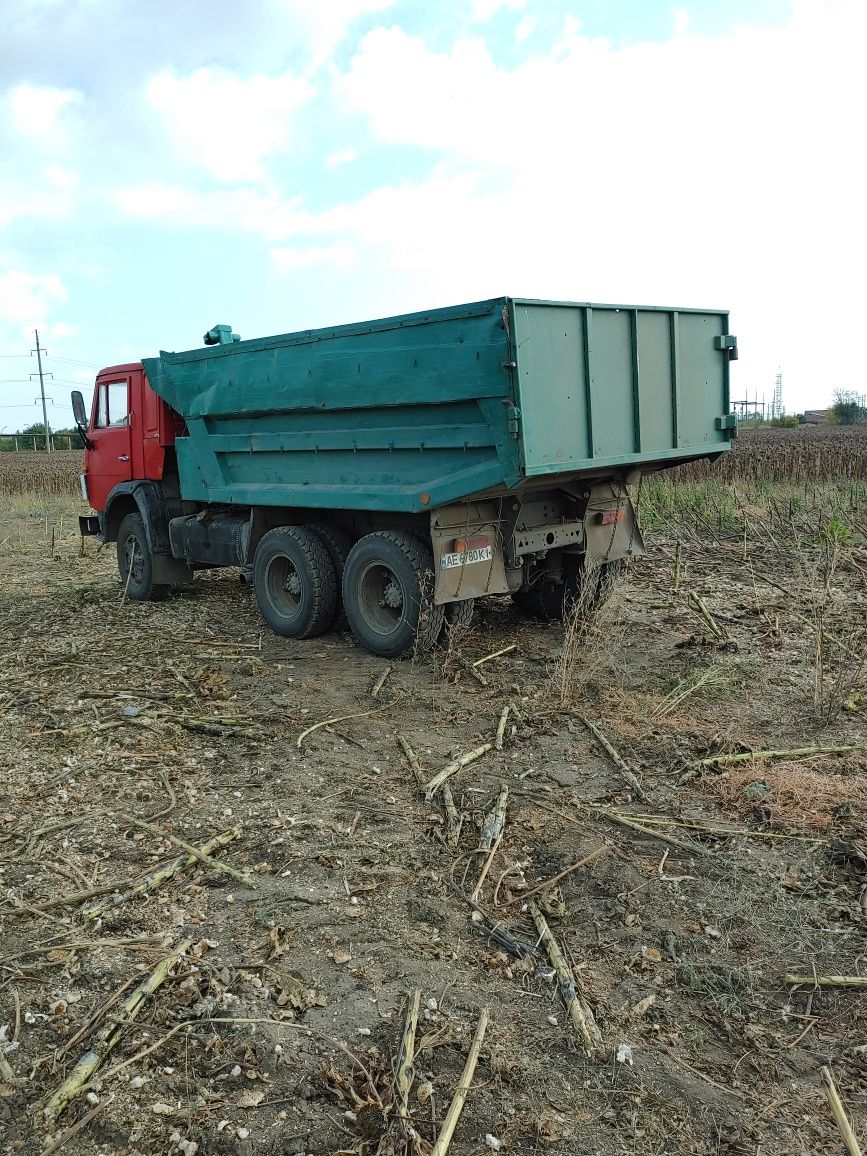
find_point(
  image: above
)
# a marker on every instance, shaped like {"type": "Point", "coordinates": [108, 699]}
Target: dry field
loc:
{"type": "Point", "coordinates": [805, 453]}
{"type": "Point", "coordinates": [54, 474]}
{"type": "Point", "coordinates": [725, 849]}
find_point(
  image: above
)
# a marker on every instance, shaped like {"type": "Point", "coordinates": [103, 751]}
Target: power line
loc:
{"type": "Point", "coordinates": [32, 405]}
{"type": "Point", "coordinates": [69, 361]}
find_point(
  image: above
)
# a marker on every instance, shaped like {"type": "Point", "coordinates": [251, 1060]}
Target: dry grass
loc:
{"type": "Point", "coordinates": [789, 794]}
{"type": "Point", "coordinates": [54, 475]}
{"type": "Point", "coordinates": [593, 632]}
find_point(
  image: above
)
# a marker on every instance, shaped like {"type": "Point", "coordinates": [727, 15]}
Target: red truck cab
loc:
{"type": "Point", "coordinates": [129, 432]}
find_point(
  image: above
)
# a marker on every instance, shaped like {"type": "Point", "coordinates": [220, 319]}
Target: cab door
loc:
{"type": "Point", "coordinates": [109, 462]}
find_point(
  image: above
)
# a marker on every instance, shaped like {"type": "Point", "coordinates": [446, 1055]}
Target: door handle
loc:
{"type": "Point", "coordinates": [123, 458]}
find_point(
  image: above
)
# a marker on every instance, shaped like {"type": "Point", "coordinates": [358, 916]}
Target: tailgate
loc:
{"type": "Point", "coordinates": [603, 385]}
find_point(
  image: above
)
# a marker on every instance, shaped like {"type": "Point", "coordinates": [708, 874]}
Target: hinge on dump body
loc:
{"type": "Point", "coordinates": [727, 421]}
{"type": "Point", "coordinates": [513, 417]}
{"type": "Point", "coordinates": [727, 342]}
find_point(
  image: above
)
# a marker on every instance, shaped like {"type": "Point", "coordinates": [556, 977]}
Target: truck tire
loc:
{"type": "Point", "coordinates": [388, 592]}
{"type": "Point", "coordinates": [135, 565]}
{"type": "Point", "coordinates": [550, 605]}
{"type": "Point", "coordinates": [294, 582]}
{"type": "Point", "coordinates": [459, 614]}
{"type": "Point", "coordinates": [338, 543]}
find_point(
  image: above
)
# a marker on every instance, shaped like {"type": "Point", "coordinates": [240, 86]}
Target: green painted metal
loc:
{"type": "Point", "coordinates": [412, 412]}
{"type": "Point", "coordinates": [618, 383]}
{"type": "Point", "coordinates": [221, 335]}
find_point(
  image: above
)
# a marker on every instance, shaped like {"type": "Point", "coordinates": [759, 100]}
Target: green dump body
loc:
{"type": "Point", "coordinates": [409, 413]}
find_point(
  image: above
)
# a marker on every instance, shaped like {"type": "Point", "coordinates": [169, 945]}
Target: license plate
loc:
{"type": "Point", "coordinates": [467, 558]}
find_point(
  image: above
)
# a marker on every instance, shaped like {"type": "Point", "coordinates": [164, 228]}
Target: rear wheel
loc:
{"type": "Point", "coordinates": [459, 614]}
{"type": "Point", "coordinates": [551, 604]}
{"type": "Point", "coordinates": [295, 582]}
{"type": "Point", "coordinates": [135, 562]}
{"type": "Point", "coordinates": [338, 543]}
{"type": "Point", "coordinates": [388, 594]}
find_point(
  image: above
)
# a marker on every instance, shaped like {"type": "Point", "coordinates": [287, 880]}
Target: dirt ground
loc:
{"type": "Point", "coordinates": [278, 1031]}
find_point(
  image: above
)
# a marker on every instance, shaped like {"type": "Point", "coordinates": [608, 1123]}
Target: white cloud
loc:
{"type": "Point", "coordinates": [525, 30]}
{"type": "Point", "coordinates": [19, 198]}
{"type": "Point", "coordinates": [60, 177]}
{"type": "Point", "coordinates": [35, 109]}
{"type": "Point", "coordinates": [484, 9]}
{"type": "Point", "coordinates": [326, 23]}
{"type": "Point", "coordinates": [707, 171]}
{"type": "Point", "coordinates": [288, 260]}
{"type": "Point", "coordinates": [681, 21]}
{"type": "Point", "coordinates": [60, 329]}
{"type": "Point", "coordinates": [226, 124]}
{"type": "Point", "coordinates": [155, 201]}
{"type": "Point", "coordinates": [344, 157]}
{"type": "Point", "coordinates": [26, 298]}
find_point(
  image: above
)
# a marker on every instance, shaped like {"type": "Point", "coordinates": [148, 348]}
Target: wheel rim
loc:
{"type": "Point", "coordinates": [382, 598]}
{"type": "Point", "coordinates": [133, 561]}
{"type": "Point", "coordinates": [285, 586]}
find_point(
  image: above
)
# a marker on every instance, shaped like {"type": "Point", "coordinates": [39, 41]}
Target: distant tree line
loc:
{"type": "Point", "coordinates": [848, 408]}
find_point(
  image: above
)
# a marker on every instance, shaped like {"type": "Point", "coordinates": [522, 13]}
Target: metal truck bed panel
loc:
{"type": "Point", "coordinates": [411, 412]}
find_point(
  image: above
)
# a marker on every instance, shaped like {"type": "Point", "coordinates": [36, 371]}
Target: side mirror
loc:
{"type": "Point", "coordinates": [78, 410]}
{"type": "Point", "coordinates": [80, 415]}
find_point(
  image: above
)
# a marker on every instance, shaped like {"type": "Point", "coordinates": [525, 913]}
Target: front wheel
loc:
{"type": "Point", "coordinates": [388, 594]}
{"type": "Point", "coordinates": [135, 563]}
{"type": "Point", "coordinates": [295, 583]}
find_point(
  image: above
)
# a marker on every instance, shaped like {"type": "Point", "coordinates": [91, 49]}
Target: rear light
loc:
{"type": "Point", "coordinates": [462, 545]}
{"type": "Point", "coordinates": [607, 517]}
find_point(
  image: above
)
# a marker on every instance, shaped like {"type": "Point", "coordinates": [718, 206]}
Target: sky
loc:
{"type": "Point", "coordinates": [286, 164]}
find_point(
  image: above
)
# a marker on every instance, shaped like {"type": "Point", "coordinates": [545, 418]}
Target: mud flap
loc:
{"type": "Point", "coordinates": [611, 527]}
{"type": "Point", "coordinates": [467, 541]}
{"type": "Point", "coordinates": [169, 571]}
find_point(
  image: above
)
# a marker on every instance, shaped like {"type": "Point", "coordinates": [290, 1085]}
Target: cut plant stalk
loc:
{"type": "Point", "coordinates": [696, 603]}
{"type": "Point", "coordinates": [470, 668]}
{"type": "Point", "coordinates": [412, 759]}
{"type": "Point", "coordinates": [405, 1068]}
{"type": "Point", "coordinates": [431, 788]}
{"type": "Point", "coordinates": [444, 1139]}
{"type": "Point", "coordinates": [108, 1036]}
{"type": "Point", "coordinates": [578, 1010]}
{"type": "Point", "coordinates": [627, 774]}
{"type": "Point", "coordinates": [501, 726]}
{"type": "Point", "coordinates": [755, 756]}
{"type": "Point", "coordinates": [164, 874]}
{"type": "Point", "coordinates": [828, 980]}
{"type": "Point", "coordinates": [454, 818]}
{"type": "Point", "coordinates": [850, 1141]}
{"type": "Point", "coordinates": [202, 856]}
{"type": "Point", "coordinates": [496, 654]}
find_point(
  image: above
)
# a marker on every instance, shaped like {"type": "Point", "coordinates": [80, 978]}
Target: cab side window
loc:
{"type": "Point", "coordinates": [112, 408]}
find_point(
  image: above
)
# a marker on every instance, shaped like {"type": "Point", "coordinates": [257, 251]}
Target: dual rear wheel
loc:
{"type": "Point", "coordinates": [307, 577]}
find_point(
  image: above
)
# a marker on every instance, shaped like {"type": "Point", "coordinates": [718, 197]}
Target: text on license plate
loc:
{"type": "Point", "coordinates": [467, 558]}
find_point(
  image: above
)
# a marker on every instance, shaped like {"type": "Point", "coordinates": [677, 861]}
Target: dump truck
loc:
{"type": "Point", "coordinates": [388, 473]}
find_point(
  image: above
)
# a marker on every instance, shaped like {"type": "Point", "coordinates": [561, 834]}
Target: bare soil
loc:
{"type": "Point", "coordinates": [278, 1032]}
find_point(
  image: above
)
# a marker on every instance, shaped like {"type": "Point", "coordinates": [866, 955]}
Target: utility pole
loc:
{"type": "Point", "coordinates": [39, 351]}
